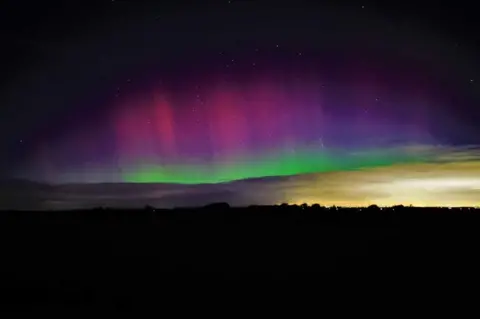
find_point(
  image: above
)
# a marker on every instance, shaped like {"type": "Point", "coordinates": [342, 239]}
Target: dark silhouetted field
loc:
{"type": "Point", "coordinates": [113, 257]}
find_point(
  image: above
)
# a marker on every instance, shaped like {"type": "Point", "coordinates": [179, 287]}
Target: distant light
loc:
{"type": "Point", "coordinates": [363, 7]}
{"type": "Point", "coordinates": [438, 183]}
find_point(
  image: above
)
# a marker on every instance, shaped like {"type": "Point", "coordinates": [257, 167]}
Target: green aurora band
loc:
{"type": "Point", "coordinates": [273, 164]}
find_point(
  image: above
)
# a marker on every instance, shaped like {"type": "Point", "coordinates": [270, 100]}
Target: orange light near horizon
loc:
{"type": "Point", "coordinates": [433, 184]}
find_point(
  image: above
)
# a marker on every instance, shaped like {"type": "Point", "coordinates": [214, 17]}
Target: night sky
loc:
{"type": "Point", "coordinates": [193, 94]}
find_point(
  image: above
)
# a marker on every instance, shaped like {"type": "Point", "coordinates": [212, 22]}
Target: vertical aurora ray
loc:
{"type": "Point", "coordinates": [164, 127]}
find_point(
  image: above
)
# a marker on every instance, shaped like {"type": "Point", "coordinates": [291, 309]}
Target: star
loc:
{"type": "Point", "coordinates": [471, 80]}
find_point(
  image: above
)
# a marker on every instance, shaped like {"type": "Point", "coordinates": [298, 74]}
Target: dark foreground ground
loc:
{"type": "Point", "coordinates": [112, 258]}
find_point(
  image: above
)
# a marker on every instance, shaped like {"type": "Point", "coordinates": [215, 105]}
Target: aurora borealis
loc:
{"type": "Point", "coordinates": [225, 132]}
{"type": "Point", "coordinates": [145, 96]}
{"type": "Point", "coordinates": [230, 132]}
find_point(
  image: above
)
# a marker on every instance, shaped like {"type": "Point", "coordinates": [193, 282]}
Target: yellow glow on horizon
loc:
{"type": "Point", "coordinates": [432, 184]}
